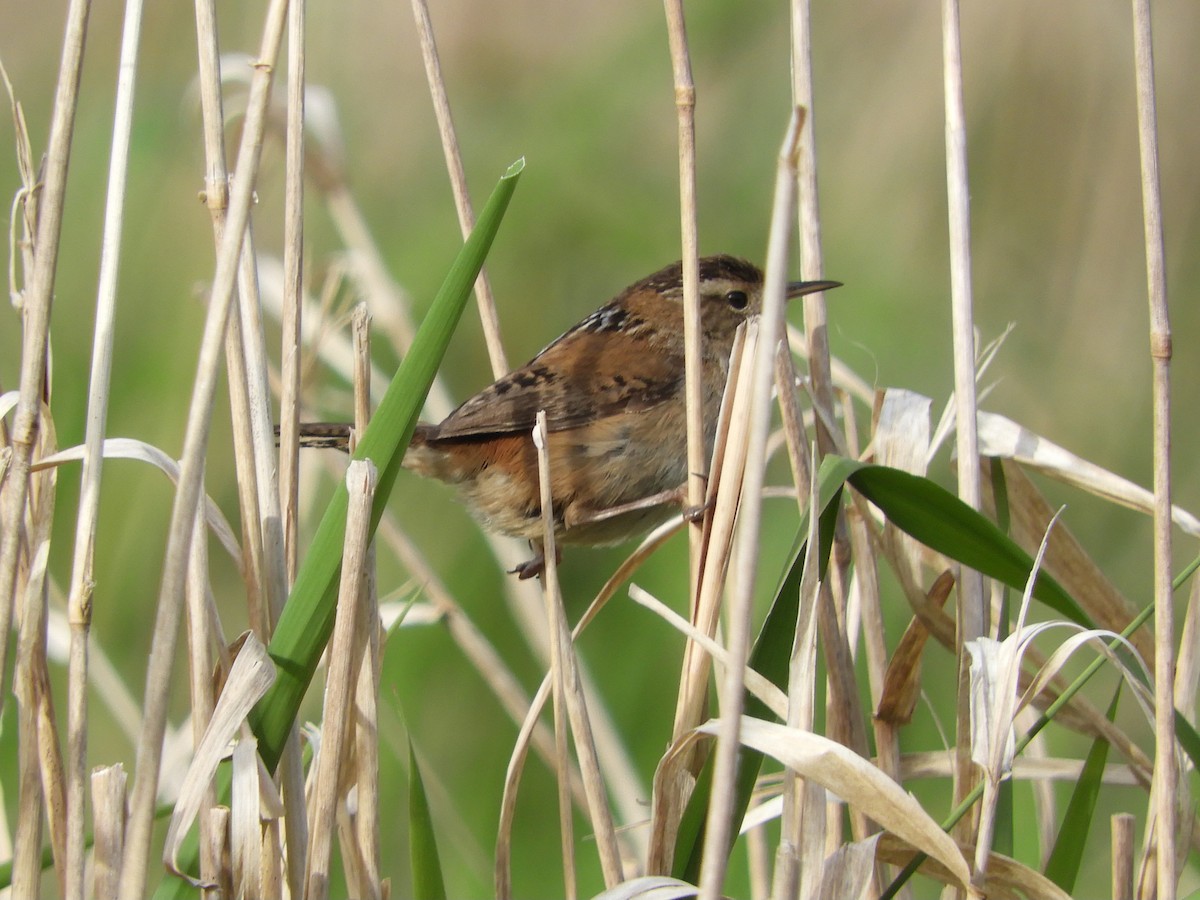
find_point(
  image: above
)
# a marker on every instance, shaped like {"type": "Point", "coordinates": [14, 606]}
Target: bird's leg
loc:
{"type": "Point", "coordinates": [534, 567]}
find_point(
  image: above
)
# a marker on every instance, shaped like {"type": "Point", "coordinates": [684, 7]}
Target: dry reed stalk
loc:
{"type": "Point", "coordinates": [108, 830]}
{"type": "Point", "coordinates": [293, 288]}
{"type": "Point", "coordinates": [972, 614]}
{"type": "Point", "coordinates": [343, 658]}
{"type": "Point", "coordinates": [166, 626]}
{"type": "Point", "coordinates": [458, 182]}
{"type": "Point", "coordinates": [809, 218]}
{"type": "Point", "coordinates": [36, 303]}
{"type": "Point", "coordinates": [205, 641]}
{"type": "Point", "coordinates": [218, 835]}
{"type": "Point", "coordinates": [1166, 773]}
{"type": "Point", "coordinates": [42, 793]}
{"type": "Point", "coordinates": [573, 691]}
{"type": "Point", "coordinates": [266, 574]}
{"type": "Point", "coordinates": [728, 465]}
{"type": "Point", "coordinates": [1121, 856]}
{"type": "Point", "coordinates": [685, 109]}
{"type": "Point", "coordinates": [79, 606]}
{"type": "Point", "coordinates": [365, 734]}
{"type": "Point", "coordinates": [801, 838]}
{"type": "Point", "coordinates": [743, 573]}
{"type": "Point", "coordinates": [554, 612]}
{"type": "Point", "coordinates": [245, 821]}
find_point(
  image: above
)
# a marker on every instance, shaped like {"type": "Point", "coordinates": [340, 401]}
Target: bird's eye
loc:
{"type": "Point", "coordinates": [737, 300]}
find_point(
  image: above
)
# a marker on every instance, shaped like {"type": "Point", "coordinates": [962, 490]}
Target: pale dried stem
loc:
{"type": "Point", "coordinates": [239, 404]}
{"type": "Point", "coordinates": [202, 638]}
{"type": "Point", "coordinates": [1122, 843]}
{"type": "Point", "coordinates": [729, 461]}
{"type": "Point", "coordinates": [573, 693]}
{"type": "Point", "coordinates": [260, 469]}
{"type": "Point", "coordinates": [458, 182]}
{"type": "Point", "coordinates": [343, 661]}
{"type": "Point", "coordinates": [795, 438]}
{"type": "Point", "coordinates": [79, 606]}
{"type": "Point", "coordinates": [108, 807]}
{"type": "Point", "coordinates": [265, 567]}
{"type": "Point", "coordinates": [183, 512]}
{"type": "Point", "coordinates": [365, 734]}
{"type": "Point", "coordinates": [718, 826]}
{"type": "Point", "coordinates": [628, 792]}
{"type": "Point", "coordinates": [685, 107]}
{"type": "Point", "coordinates": [811, 261]}
{"type": "Point", "coordinates": [474, 645]}
{"type": "Point", "coordinates": [218, 834]}
{"type": "Point", "coordinates": [799, 794]}
{"type": "Point", "coordinates": [293, 287]}
{"type": "Point", "coordinates": [1166, 774]}
{"type": "Point", "coordinates": [41, 794]}
{"type": "Point", "coordinates": [554, 612]}
{"type": "Point", "coordinates": [972, 612]}
{"type": "Point", "coordinates": [37, 302]}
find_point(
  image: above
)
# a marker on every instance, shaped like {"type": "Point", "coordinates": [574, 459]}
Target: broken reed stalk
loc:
{"type": "Point", "coordinates": [574, 694]}
{"type": "Point", "coordinates": [344, 656]}
{"type": "Point", "coordinates": [552, 595]}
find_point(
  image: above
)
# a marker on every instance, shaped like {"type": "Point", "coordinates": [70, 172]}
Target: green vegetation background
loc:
{"type": "Point", "coordinates": [584, 91]}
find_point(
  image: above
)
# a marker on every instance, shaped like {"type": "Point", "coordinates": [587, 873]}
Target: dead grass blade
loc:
{"type": "Point", "coordinates": [252, 673]}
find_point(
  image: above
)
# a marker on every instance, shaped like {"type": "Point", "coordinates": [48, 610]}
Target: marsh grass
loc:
{"type": "Point", "coordinates": [790, 756]}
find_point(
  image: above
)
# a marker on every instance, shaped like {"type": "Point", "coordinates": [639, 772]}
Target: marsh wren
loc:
{"type": "Point", "coordinates": [613, 391]}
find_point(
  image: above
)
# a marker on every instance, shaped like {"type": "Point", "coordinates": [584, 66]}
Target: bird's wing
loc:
{"type": "Point", "coordinates": [591, 372]}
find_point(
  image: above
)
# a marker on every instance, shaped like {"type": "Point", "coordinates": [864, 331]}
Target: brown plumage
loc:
{"type": "Point", "coordinates": [612, 388]}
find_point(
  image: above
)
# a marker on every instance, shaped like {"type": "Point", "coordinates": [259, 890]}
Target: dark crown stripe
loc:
{"type": "Point", "coordinates": [711, 267]}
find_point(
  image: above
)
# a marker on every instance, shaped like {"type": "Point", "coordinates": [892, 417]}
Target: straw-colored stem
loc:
{"type": "Point", "coordinates": [108, 803]}
{"type": "Point", "coordinates": [552, 594]}
{"type": "Point", "coordinates": [816, 325]}
{"type": "Point", "coordinates": [79, 604]}
{"type": "Point", "coordinates": [1121, 856]}
{"type": "Point", "coordinates": [972, 614]}
{"type": "Point", "coordinates": [201, 640]}
{"type": "Point", "coordinates": [361, 478]}
{"type": "Point", "coordinates": [166, 626]}
{"type": "Point", "coordinates": [1166, 773]}
{"type": "Point", "coordinates": [458, 182]}
{"type": "Point", "coordinates": [791, 857]}
{"type": "Point", "coordinates": [265, 567]}
{"type": "Point", "coordinates": [685, 108]}
{"type": "Point", "coordinates": [718, 827]}
{"type": "Point", "coordinates": [36, 316]}
{"type": "Point", "coordinates": [285, 523]}
{"type": "Point", "coordinates": [293, 289]}
{"type": "Point", "coordinates": [562, 652]}
{"type": "Point", "coordinates": [365, 733]}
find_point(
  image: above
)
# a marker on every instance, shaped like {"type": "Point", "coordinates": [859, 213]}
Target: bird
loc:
{"type": "Point", "coordinates": [612, 388]}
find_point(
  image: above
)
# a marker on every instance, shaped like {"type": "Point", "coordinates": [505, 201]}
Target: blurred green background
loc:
{"type": "Point", "coordinates": [584, 92]}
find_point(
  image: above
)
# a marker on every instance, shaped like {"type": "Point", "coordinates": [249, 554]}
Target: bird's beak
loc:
{"type": "Point", "coordinates": [800, 288]}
